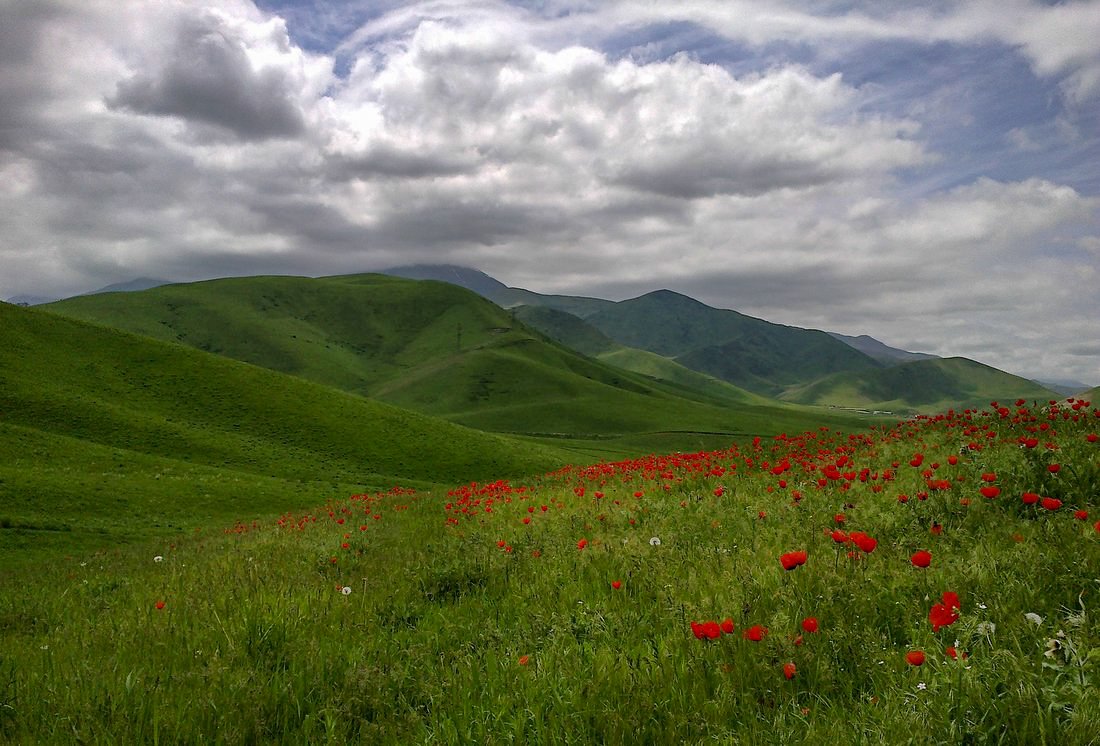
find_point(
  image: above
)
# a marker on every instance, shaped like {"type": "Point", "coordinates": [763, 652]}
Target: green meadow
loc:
{"type": "Point", "coordinates": [260, 516]}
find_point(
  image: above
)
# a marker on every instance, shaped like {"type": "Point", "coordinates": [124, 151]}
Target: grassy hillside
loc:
{"type": "Point", "coordinates": [101, 430]}
{"type": "Point", "coordinates": [428, 346]}
{"type": "Point", "coordinates": [750, 353]}
{"type": "Point", "coordinates": [925, 385]}
{"type": "Point", "coordinates": [901, 586]}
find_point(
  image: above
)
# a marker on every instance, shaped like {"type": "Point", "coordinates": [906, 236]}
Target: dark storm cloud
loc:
{"type": "Point", "coordinates": [208, 77]}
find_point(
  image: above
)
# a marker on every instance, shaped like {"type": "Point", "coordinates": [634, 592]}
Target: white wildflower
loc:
{"type": "Point", "coordinates": [1031, 616]}
{"type": "Point", "coordinates": [346, 590]}
{"type": "Point", "coordinates": [655, 541]}
{"type": "Point", "coordinates": [158, 558]}
{"type": "Point", "coordinates": [922, 686]}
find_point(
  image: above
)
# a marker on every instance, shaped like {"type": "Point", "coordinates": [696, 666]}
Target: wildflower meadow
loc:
{"type": "Point", "coordinates": [936, 580]}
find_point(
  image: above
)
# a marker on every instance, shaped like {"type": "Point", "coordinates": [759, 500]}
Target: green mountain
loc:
{"type": "Point", "coordinates": [925, 386]}
{"type": "Point", "coordinates": [748, 352]}
{"type": "Point", "coordinates": [578, 334]}
{"type": "Point", "coordinates": [105, 434]}
{"type": "Point", "coordinates": [498, 292]}
{"type": "Point", "coordinates": [426, 346]}
{"type": "Point", "coordinates": [879, 351]}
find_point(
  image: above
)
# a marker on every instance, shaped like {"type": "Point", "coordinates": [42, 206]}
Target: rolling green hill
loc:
{"type": "Point", "coordinates": [427, 346]}
{"type": "Point", "coordinates": [104, 434]}
{"type": "Point", "coordinates": [578, 334]}
{"type": "Point", "coordinates": [925, 386]}
{"type": "Point", "coordinates": [751, 353]}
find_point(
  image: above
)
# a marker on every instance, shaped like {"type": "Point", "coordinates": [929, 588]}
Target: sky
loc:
{"type": "Point", "coordinates": [926, 173]}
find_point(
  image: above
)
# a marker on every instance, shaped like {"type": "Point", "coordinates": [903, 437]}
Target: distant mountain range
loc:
{"type": "Point", "coordinates": [665, 337]}
{"type": "Point", "coordinates": [141, 283]}
{"type": "Point", "coordinates": [789, 363]}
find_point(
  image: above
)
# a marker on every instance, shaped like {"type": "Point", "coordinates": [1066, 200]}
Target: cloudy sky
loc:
{"type": "Point", "coordinates": [927, 173]}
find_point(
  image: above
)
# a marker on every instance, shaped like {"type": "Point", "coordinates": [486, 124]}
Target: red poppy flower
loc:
{"type": "Point", "coordinates": [697, 630]}
{"type": "Point", "coordinates": [1054, 468]}
{"type": "Point", "coordinates": [809, 624]}
{"type": "Point", "coordinates": [990, 491]}
{"type": "Point", "coordinates": [839, 536]}
{"type": "Point", "coordinates": [616, 584]}
{"type": "Point", "coordinates": [160, 604]}
{"type": "Point", "coordinates": [789, 671]}
{"type": "Point", "coordinates": [756, 633]}
{"type": "Point", "coordinates": [727, 626]}
{"type": "Point", "coordinates": [1051, 503]}
{"type": "Point", "coordinates": [791, 560]}
{"type": "Point", "coordinates": [864, 542]}
{"type": "Point", "coordinates": [989, 477]}
{"type": "Point", "coordinates": [922, 558]}
{"type": "Point", "coordinates": [523, 659]}
{"type": "Point", "coordinates": [1081, 515]}
{"type": "Point", "coordinates": [941, 615]}
{"type": "Point", "coordinates": [1029, 498]}
{"type": "Point", "coordinates": [712, 630]}
{"type": "Point", "coordinates": [915, 657]}
{"type": "Point", "coordinates": [951, 600]}
{"type": "Point", "coordinates": [582, 543]}
{"type": "Point", "coordinates": [936, 528]}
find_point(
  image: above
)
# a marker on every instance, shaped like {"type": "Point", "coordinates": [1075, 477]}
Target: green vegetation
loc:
{"type": "Point", "coordinates": [433, 348]}
{"type": "Point", "coordinates": [105, 435]}
{"type": "Point", "coordinates": [574, 608]}
{"type": "Point", "coordinates": [750, 353]}
{"type": "Point", "coordinates": [925, 386]}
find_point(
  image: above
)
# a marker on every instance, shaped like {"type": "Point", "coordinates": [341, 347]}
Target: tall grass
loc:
{"type": "Point", "coordinates": [489, 613]}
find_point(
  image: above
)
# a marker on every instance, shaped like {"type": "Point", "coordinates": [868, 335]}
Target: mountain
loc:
{"type": "Point", "coordinates": [1063, 386]}
{"type": "Point", "coordinates": [496, 291]}
{"type": "Point", "coordinates": [29, 300]}
{"type": "Point", "coordinates": [130, 286]}
{"type": "Point", "coordinates": [883, 353]}
{"type": "Point", "coordinates": [577, 334]}
{"type": "Point", "coordinates": [921, 386]}
{"type": "Point", "coordinates": [426, 346]}
{"type": "Point", "coordinates": [748, 352]}
{"type": "Point", "coordinates": [106, 435]}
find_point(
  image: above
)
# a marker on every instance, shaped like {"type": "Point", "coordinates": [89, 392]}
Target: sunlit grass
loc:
{"type": "Point", "coordinates": [434, 617]}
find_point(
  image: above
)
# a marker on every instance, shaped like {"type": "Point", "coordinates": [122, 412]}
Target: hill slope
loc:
{"type": "Point", "coordinates": [428, 346]}
{"type": "Point", "coordinates": [100, 429]}
{"type": "Point", "coordinates": [751, 353]}
{"type": "Point", "coordinates": [925, 385]}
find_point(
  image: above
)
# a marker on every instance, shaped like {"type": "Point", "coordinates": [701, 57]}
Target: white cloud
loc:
{"type": "Point", "coordinates": [174, 139]}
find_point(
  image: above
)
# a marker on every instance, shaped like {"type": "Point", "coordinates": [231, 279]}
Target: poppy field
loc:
{"type": "Point", "coordinates": [932, 581]}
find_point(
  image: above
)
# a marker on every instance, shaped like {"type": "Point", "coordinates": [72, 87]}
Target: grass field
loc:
{"type": "Point", "coordinates": [640, 601]}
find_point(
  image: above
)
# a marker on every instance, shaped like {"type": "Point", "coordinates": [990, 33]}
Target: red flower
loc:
{"type": "Point", "coordinates": [160, 604]}
{"type": "Point", "coordinates": [1054, 468]}
{"type": "Point", "coordinates": [582, 543]}
{"type": "Point", "coordinates": [791, 560]}
{"type": "Point", "coordinates": [697, 630]}
{"type": "Point", "coordinates": [727, 626]}
{"type": "Point", "coordinates": [789, 670]}
{"type": "Point", "coordinates": [915, 657]}
{"type": "Point", "coordinates": [936, 529]}
{"type": "Point", "coordinates": [923, 558]}
{"type": "Point", "coordinates": [756, 633]}
{"type": "Point", "coordinates": [1081, 515]}
{"type": "Point", "coordinates": [989, 477]}
{"type": "Point", "coordinates": [863, 541]}
{"type": "Point", "coordinates": [951, 599]}
{"type": "Point", "coordinates": [523, 659]}
{"type": "Point", "coordinates": [616, 584]}
{"type": "Point", "coordinates": [1029, 498]}
{"type": "Point", "coordinates": [990, 491]}
{"type": "Point", "coordinates": [941, 616]}
{"type": "Point", "coordinates": [839, 536]}
{"type": "Point", "coordinates": [1051, 503]}
{"type": "Point", "coordinates": [809, 624]}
